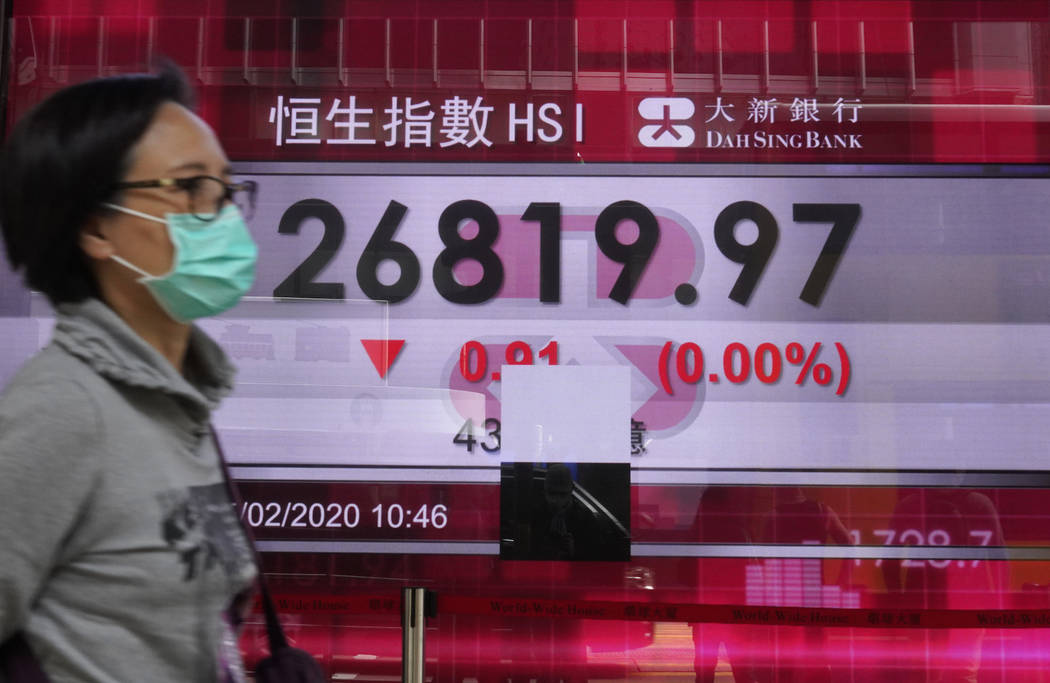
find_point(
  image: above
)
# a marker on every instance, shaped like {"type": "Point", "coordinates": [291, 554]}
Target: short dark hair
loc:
{"type": "Point", "coordinates": [61, 162]}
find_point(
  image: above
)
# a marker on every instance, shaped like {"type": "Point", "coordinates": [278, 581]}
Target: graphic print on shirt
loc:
{"type": "Point", "coordinates": [199, 523]}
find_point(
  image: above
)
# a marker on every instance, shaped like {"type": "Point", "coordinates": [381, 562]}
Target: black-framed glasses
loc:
{"type": "Point", "coordinates": [208, 194]}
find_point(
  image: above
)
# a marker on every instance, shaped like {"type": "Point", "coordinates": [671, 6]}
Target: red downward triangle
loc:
{"type": "Point", "coordinates": [382, 352]}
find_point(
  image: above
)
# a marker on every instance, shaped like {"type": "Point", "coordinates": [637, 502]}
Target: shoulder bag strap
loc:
{"type": "Point", "coordinates": [18, 664]}
{"type": "Point", "coordinates": [274, 632]}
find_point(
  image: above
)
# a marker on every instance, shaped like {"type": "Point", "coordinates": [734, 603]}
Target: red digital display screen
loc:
{"type": "Point", "coordinates": [590, 317]}
{"type": "Point", "coordinates": [818, 82]}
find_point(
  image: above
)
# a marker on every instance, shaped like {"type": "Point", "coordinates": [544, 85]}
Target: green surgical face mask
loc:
{"type": "Point", "coordinates": [213, 267]}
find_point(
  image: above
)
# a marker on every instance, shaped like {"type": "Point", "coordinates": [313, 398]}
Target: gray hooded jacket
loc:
{"type": "Point", "coordinates": [119, 548]}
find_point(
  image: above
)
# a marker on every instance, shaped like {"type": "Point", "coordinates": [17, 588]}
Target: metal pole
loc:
{"type": "Point", "coordinates": [6, 35]}
{"type": "Point", "coordinates": [413, 630]}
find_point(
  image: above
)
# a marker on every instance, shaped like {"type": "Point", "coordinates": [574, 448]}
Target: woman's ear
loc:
{"type": "Point", "coordinates": [93, 243]}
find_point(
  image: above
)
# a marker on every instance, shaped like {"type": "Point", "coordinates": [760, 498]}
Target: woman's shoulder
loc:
{"type": "Point", "coordinates": [51, 433]}
{"type": "Point", "coordinates": [50, 365]}
{"type": "Point", "coordinates": [52, 386]}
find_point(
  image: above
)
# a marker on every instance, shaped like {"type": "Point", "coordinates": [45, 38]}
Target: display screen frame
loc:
{"type": "Point", "coordinates": [941, 109]}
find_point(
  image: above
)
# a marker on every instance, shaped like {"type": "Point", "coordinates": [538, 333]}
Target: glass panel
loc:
{"type": "Point", "coordinates": [815, 253]}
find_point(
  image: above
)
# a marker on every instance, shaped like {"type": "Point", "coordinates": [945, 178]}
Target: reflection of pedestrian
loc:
{"type": "Point", "coordinates": [547, 514]}
{"type": "Point", "coordinates": [946, 516]}
{"type": "Point", "coordinates": [548, 525]}
{"type": "Point", "coordinates": [798, 519]}
{"type": "Point", "coordinates": [562, 529]}
{"type": "Point", "coordinates": [800, 653]}
{"type": "Point", "coordinates": [719, 520]}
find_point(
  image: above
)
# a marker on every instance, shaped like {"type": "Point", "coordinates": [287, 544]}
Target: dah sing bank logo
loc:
{"type": "Point", "coordinates": [672, 114]}
{"type": "Point", "coordinates": [798, 123]}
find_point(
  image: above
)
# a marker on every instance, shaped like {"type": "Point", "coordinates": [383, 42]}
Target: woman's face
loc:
{"type": "Point", "coordinates": [177, 144]}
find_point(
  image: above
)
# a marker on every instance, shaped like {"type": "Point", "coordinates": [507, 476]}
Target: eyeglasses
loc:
{"type": "Point", "coordinates": [208, 194]}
